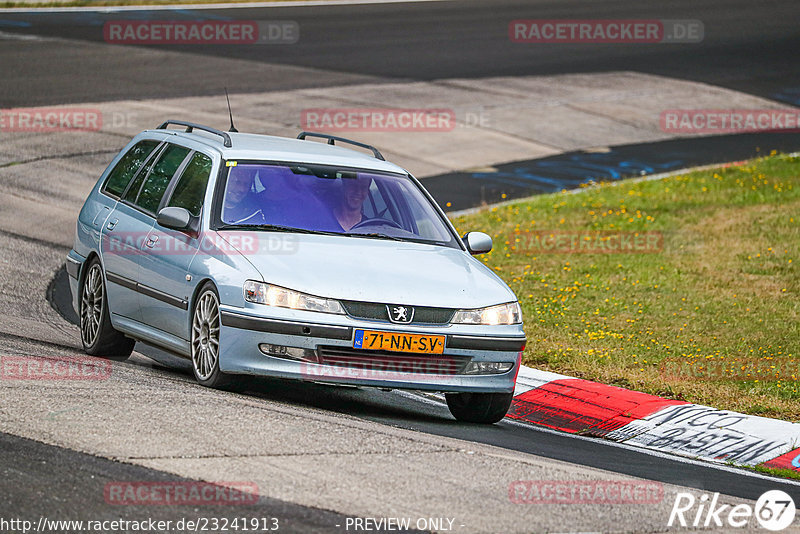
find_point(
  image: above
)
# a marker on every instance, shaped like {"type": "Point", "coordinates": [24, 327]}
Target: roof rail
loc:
{"type": "Point", "coordinates": [190, 126]}
{"type": "Point", "coordinates": [332, 138]}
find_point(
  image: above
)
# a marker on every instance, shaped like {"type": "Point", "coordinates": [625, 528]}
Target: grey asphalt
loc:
{"type": "Point", "coordinates": [748, 46]}
{"type": "Point", "coordinates": [70, 482]}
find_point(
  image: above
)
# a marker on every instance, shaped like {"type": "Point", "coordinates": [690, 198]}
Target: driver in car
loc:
{"type": "Point", "coordinates": [243, 205]}
{"type": "Point", "coordinates": [354, 192]}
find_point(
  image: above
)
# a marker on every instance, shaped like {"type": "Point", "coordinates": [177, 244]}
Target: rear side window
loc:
{"type": "Point", "coordinates": [191, 189]}
{"type": "Point", "coordinates": [133, 189]}
{"type": "Point", "coordinates": [125, 169]}
{"type": "Point", "coordinates": [157, 181]}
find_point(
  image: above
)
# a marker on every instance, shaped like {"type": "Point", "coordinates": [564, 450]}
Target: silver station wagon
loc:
{"type": "Point", "coordinates": [293, 258]}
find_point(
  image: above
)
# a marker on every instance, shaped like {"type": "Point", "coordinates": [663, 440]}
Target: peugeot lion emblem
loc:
{"type": "Point", "coordinates": [400, 314]}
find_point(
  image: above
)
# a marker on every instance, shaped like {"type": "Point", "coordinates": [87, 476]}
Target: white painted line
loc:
{"type": "Point", "coordinates": [530, 378]}
{"type": "Point", "coordinates": [695, 431]}
{"type": "Point", "coordinates": [425, 398]}
{"type": "Point", "coordinates": [196, 7]}
{"type": "Point", "coordinates": [708, 433]}
{"type": "Point", "coordinates": [657, 454]}
{"type": "Point", "coordinates": [20, 37]}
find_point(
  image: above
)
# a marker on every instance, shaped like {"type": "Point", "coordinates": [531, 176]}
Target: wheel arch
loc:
{"type": "Point", "coordinates": [93, 255]}
{"type": "Point", "coordinates": [193, 299]}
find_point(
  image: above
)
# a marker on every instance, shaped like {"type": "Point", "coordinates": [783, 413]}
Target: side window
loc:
{"type": "Point", "coordinates": [126, 167]}
{"type": "Point", "coordinates": [133, 189]}
{"type": "Point", "coordinates": [191, 188]}
{"type": "Point", "coordinates": [157, 181]}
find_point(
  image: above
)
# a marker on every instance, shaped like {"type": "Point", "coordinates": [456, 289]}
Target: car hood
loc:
{"type": "Point", "coordinates": [372, 270]}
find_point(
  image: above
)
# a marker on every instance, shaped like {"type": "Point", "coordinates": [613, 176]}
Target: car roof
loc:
{"type": "Point", "coordinates": [246, 146]}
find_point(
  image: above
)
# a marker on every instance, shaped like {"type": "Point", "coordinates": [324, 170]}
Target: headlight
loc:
{"type": "Point", "coordinates": [509, 313]}
{"type": "Point", "coordinates": [261, 293]}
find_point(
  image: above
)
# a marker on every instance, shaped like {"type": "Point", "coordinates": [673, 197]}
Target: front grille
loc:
{"type": "Point", "coordinates": [401, 363]}
{"type": "Point", "coordinates": [377, 312]}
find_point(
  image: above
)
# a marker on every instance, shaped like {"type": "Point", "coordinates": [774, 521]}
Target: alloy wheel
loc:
{"type": "Point", "coordinates": [205, 335]}
{"type": "Point", "coordinates": [92, 305]}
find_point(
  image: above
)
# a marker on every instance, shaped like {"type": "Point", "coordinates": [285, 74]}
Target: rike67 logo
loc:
{"type": "Point", "coordinates": [774, 510]}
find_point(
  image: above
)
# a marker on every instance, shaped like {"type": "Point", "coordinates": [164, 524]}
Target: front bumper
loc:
{"type": "Point", "coordinates": [243, 332]}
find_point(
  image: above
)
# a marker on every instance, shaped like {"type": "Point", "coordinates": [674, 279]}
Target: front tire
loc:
{"type": "Point", "coordinates": [206, 327]}
{"type": "Point", "coordinates": [97, 335]}
{"type": "Point", "coordinates": [484, 408]}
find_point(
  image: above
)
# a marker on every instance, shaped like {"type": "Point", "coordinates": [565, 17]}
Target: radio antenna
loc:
{"type": "Point", "coordinates": [230, 114]}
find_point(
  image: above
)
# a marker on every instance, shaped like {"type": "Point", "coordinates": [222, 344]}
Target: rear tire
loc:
{"type": "Point", "coordinates": [97, 335]}
{"type": "Point", "coordinates": [484, 408]}
{"type": "Point", "coordinates": [206, 328]}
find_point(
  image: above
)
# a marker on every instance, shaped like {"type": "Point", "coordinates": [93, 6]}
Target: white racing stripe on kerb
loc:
{"type": "Point", "coordinates": [529, 378]}
{"type": "Point", "coordinates": [428, 398]}
{"type": "Point", "coordinates": [655, 453]}
{"type": "Point", "coordinates": [695, 431]}
{"type": "Point", "coordinates": [710, 434]}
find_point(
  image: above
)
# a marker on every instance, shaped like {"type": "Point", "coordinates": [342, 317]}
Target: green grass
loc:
{"type": "Point", "coordinates": [712, 317]}
{"type": "Point", "coordinates": [782, 473]}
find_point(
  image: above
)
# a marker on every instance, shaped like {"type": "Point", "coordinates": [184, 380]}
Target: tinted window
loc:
{"type": "Point", "coordinates": [133, 189]}
{"type": "Point", "coordinates": [191, 189]}
{"type": "Point", "coordinates": [156, 183]}
{"type": "Point", "coordinates": [127, 166]}
{"type": "Point", "coordinates": [327, 199]}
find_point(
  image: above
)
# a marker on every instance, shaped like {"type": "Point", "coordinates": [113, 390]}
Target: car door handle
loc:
{"type": "Point", "coordinates": [151, 241]}
{"type": "Point", "coordinates": [100, 217]}
{"type": "Point", "coordinates": [112, 224]}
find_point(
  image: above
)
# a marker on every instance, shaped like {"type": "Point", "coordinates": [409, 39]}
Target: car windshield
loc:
{"type": "Point", "coordinates": [322, 199]}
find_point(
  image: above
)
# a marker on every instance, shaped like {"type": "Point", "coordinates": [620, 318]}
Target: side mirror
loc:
{"type": "Point", "coordinates": [174, 218]}
{"type": "Point", "coordinates": [477, 242]}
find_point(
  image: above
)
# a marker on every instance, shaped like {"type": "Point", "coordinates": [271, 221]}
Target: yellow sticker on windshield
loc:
{"type": "Point", "coordinates": [231, 163]}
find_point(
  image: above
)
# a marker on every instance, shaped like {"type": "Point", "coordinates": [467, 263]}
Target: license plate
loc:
{"type": "Point", "coordinates": [398, 342]}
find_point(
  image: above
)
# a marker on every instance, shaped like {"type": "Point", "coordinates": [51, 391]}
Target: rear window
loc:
{"type": "Point", "coordinates": [126, 168]}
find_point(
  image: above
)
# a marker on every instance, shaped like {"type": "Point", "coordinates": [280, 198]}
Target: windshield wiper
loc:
{"type": "Point", "coordinates": [373, 236]}
{"type": "Point", "coordinates": [291, 229]}
{"type": "Point", "coordinates": [273, 228]}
